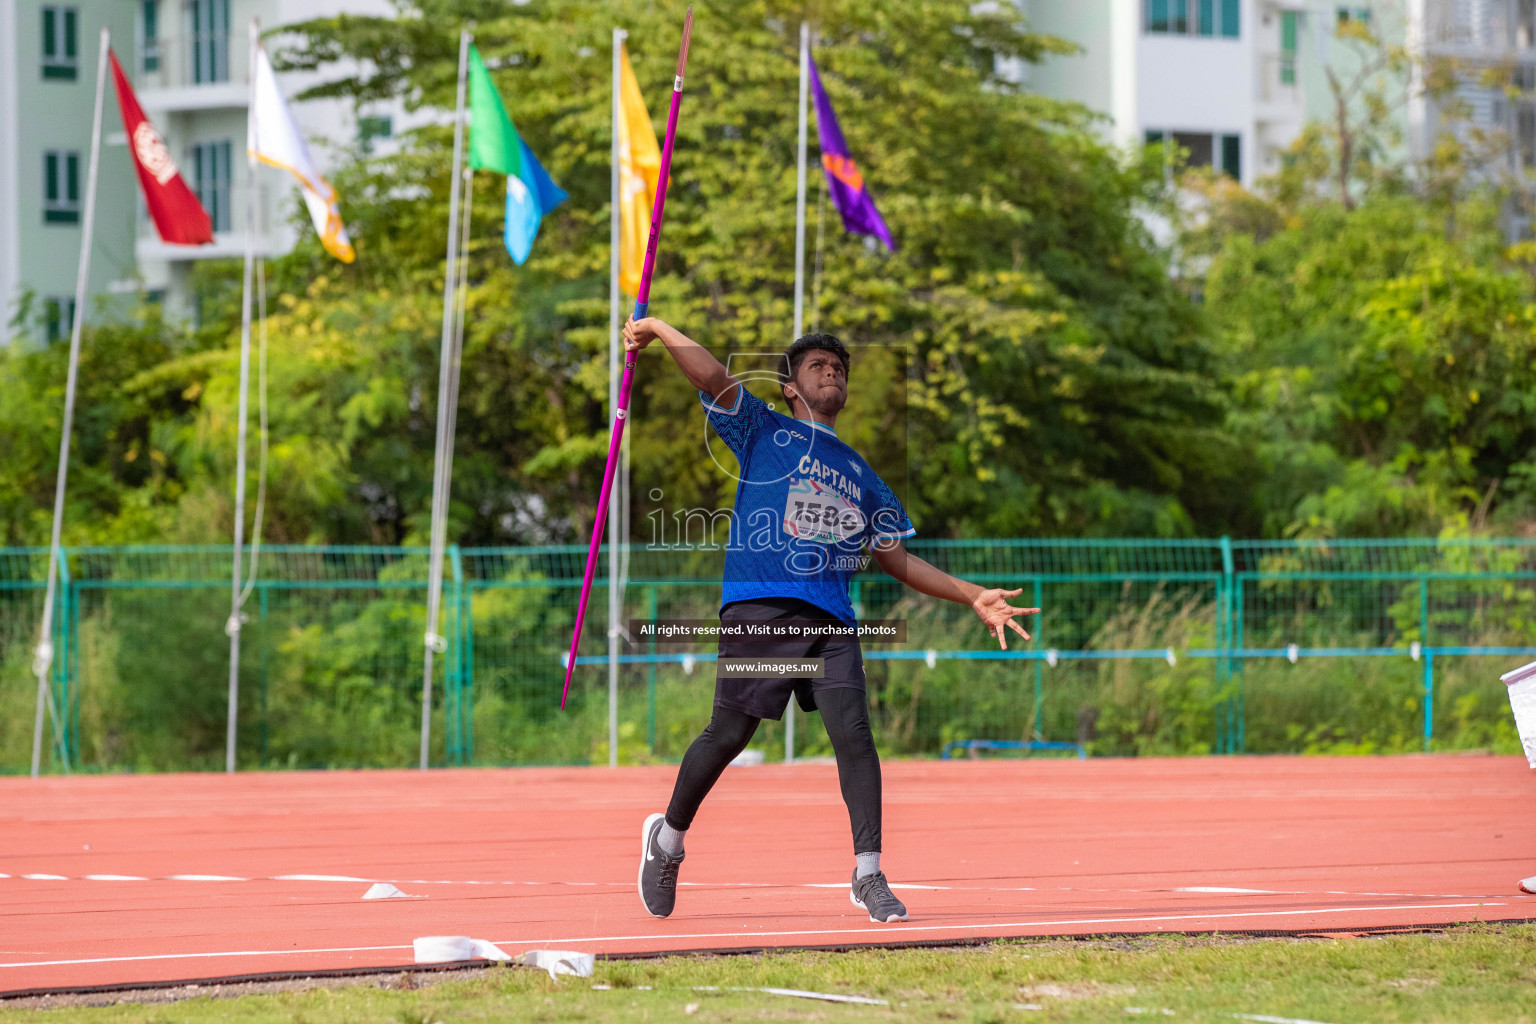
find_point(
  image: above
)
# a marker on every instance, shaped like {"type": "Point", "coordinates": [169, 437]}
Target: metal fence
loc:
{"type": "Point", "coordinates": [1207, 646]}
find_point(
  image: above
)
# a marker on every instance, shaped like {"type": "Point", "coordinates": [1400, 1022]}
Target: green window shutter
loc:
{"type": "Point", "coordinates": [51, 177]}
{"type": "Point", "coordinates": [1232, 155]}
{"type": "Point", "coordinates": [1207, 26]}
{"type": "Point", "coordinates": [50, 33]}
{"type": "Point", "coordinates": [1231, 19]}
{"type": "Point", "coordinates": [72, 166]}
{"type": "Point", "coordinates": [71, 19]}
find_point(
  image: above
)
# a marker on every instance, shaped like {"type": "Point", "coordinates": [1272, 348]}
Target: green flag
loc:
{"type": "Point", "coordinates": [494, 144]}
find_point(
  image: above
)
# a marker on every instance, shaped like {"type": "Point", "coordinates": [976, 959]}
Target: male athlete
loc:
{"type": "Point", "coordinates": [806, 507]}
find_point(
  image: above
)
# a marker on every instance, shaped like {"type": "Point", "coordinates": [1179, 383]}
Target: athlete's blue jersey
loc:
{"type": "Point", "coordinates": [806, 506]}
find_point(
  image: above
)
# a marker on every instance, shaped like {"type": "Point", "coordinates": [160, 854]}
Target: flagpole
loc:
{"type": "Point", "coordinates": [434, 641]}
{"type": "Point", "coordinates": [232, 624]}
{"type": "Point", "coordinates": [43, 658]}
{"type": "Point", "coordinates": [805, 57]}
{"type": "Point", "coordinates": [614, 594]}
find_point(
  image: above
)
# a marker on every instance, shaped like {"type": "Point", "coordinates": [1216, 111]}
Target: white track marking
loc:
{"type": "Point", "coordinates": [1196, 889]}
{"type": "Point", "coordinates": [885, 930]}
{"type": "Point", "coordinates": [207, 878]}
{"type": "Point", "coordinates": [844, 885]}
{"type": "Point", "coordinates": [202, 956]}
{"type": "Point", "coordinates": [1273, 1020]}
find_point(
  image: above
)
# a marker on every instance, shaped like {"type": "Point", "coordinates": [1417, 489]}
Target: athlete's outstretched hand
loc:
{"type": "Point", "coordinates": [992, 608]}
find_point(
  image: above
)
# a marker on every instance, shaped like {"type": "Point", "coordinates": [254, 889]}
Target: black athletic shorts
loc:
{"type": "Point", "coordinates": [766, 696]}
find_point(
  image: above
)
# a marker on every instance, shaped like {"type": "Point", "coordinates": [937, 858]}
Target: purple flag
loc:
{"type": "Point", "coordinates": [844, 181]}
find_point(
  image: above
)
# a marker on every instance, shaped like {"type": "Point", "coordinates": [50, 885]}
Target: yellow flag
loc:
{"type": "Point", "coordinates": [639, 174]}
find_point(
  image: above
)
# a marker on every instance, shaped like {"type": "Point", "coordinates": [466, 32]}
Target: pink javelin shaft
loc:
{"type": "Point", "coordinates": [642, 303]}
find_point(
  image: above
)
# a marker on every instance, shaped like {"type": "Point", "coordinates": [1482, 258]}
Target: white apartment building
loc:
{"type": "Point", "coordinates": [1233, 81]}
{"type": "Point", "coordinates": [1479, 35]}
{"type": "Point", "coordinates": [48, 57]}
{"type": "Point", "coordinates": [1223, 78]}
{"type": "Point", "coordinates": [188, 61]}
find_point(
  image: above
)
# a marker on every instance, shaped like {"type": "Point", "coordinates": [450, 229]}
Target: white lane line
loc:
{"type": "Point", "coordinates": [844, 885]}
{"type": "Point", "coordinates": [886, 930]}
{"type": "Point", "coordinates": [353, 879]}
{"type": "Point", "coordinates": [1267, 1019]}
{"type": "Point", "coordinates": [201, 956]}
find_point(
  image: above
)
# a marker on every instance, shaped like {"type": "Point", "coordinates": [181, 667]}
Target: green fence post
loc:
{"type": "Point", "coordinates": [1239, 666]}
{"type": "Point", "coordinates": [1229, 740]}
{"type": "Point", "coordinates": [1429, 661]}
{"type": "Point", "coordinates": [1221, 664]}
{"type": "Point", "coordinates": [1039, 602]}
{"type": "Point", "coordinates": [453, 706]}
{"type": "Point", "coordinates": [261, 603]}
{"type": "Point", "coordinates": [1429, 697]}
{"type": "Point", "coordinates": [64, 642]}
{"type": "Point", "coordinates": [467, 663]}
{"type": "Point", "coordinates": [650, 676]}
{"type": "Point", "coordinates": [1424, 611]}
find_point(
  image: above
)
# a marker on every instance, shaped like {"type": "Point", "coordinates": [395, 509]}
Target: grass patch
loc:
{"type": "Point", "coordinates": [1481, 973]}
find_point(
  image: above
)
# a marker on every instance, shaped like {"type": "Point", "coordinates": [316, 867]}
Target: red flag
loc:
{"type": "Point", "coordinates": [179, 217]}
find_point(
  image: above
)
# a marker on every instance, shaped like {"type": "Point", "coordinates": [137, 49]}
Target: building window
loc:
{"type": "Point", "coordinates": [210, 40]}
{"type": "Point", "coordinates": [1232, 156]}
{"type": "Point", "coordinates": [149, 35]}
{"type": "Point", "coordinates": [1194, 17]}
{"type": "Point", "coordinates": [61, 42]}
{"type": "Point", "coordinates": [211, 181]}
{"type": "Point", "coordinates": [1223, 152]}
{"type": "Point", "coordinates": [61, 187]}
{"type": "Point", "coordinates": [1360, 14]}
{"type": "Point", "coordinates": [371, 129]}
{"type": "Point", "coordinates": [1288, 22]}
{"type": "Point", "coordinates": [58, 318]}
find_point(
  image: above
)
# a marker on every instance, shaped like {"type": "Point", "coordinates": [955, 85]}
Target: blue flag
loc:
{"type": "Point", "coordinates": [530, 195]}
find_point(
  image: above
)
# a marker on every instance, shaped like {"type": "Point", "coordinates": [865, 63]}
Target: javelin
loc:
{"type": "Point", "coordinates": [642, 302]}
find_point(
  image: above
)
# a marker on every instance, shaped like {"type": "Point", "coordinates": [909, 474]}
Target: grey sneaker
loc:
{"type": "Point", "coordinates": [873, 893]}
{"type": "Point", "coordinates": [658, 870]}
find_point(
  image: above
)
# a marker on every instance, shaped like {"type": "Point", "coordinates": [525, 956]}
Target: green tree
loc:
{"type": "Point", "coordinates": [1024, 365]}
{"type": "Point", "coordinates": [1056, 381]}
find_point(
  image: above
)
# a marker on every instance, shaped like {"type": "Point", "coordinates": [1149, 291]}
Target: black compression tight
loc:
{"type": "Point", "coordinates": [845, 713]}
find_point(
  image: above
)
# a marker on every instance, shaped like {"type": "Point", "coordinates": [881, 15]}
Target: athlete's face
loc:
{"type": "Point", "coordinates": [822, 383]}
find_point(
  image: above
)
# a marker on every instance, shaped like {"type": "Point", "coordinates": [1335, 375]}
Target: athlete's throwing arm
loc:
{"type": "Point", "coordinates": [710, 376]}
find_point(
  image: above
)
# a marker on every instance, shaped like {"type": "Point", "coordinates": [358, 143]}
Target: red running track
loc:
{"type": "Point", "coordinates": [125, 879]}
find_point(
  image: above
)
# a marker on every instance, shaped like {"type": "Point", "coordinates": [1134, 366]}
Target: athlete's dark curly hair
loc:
{"type": "Point", "coordinates": [795, 355]}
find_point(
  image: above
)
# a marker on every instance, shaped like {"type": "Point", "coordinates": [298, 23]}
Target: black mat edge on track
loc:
{"type": "Point", "coordinates": [845, 947]}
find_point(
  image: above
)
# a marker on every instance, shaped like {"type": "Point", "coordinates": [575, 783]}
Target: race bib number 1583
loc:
{"type": "Point", "coordinates": [819, 514]}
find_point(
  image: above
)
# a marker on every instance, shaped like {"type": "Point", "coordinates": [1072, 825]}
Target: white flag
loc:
{"type": "Point", "coordinates": [275, 139]}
